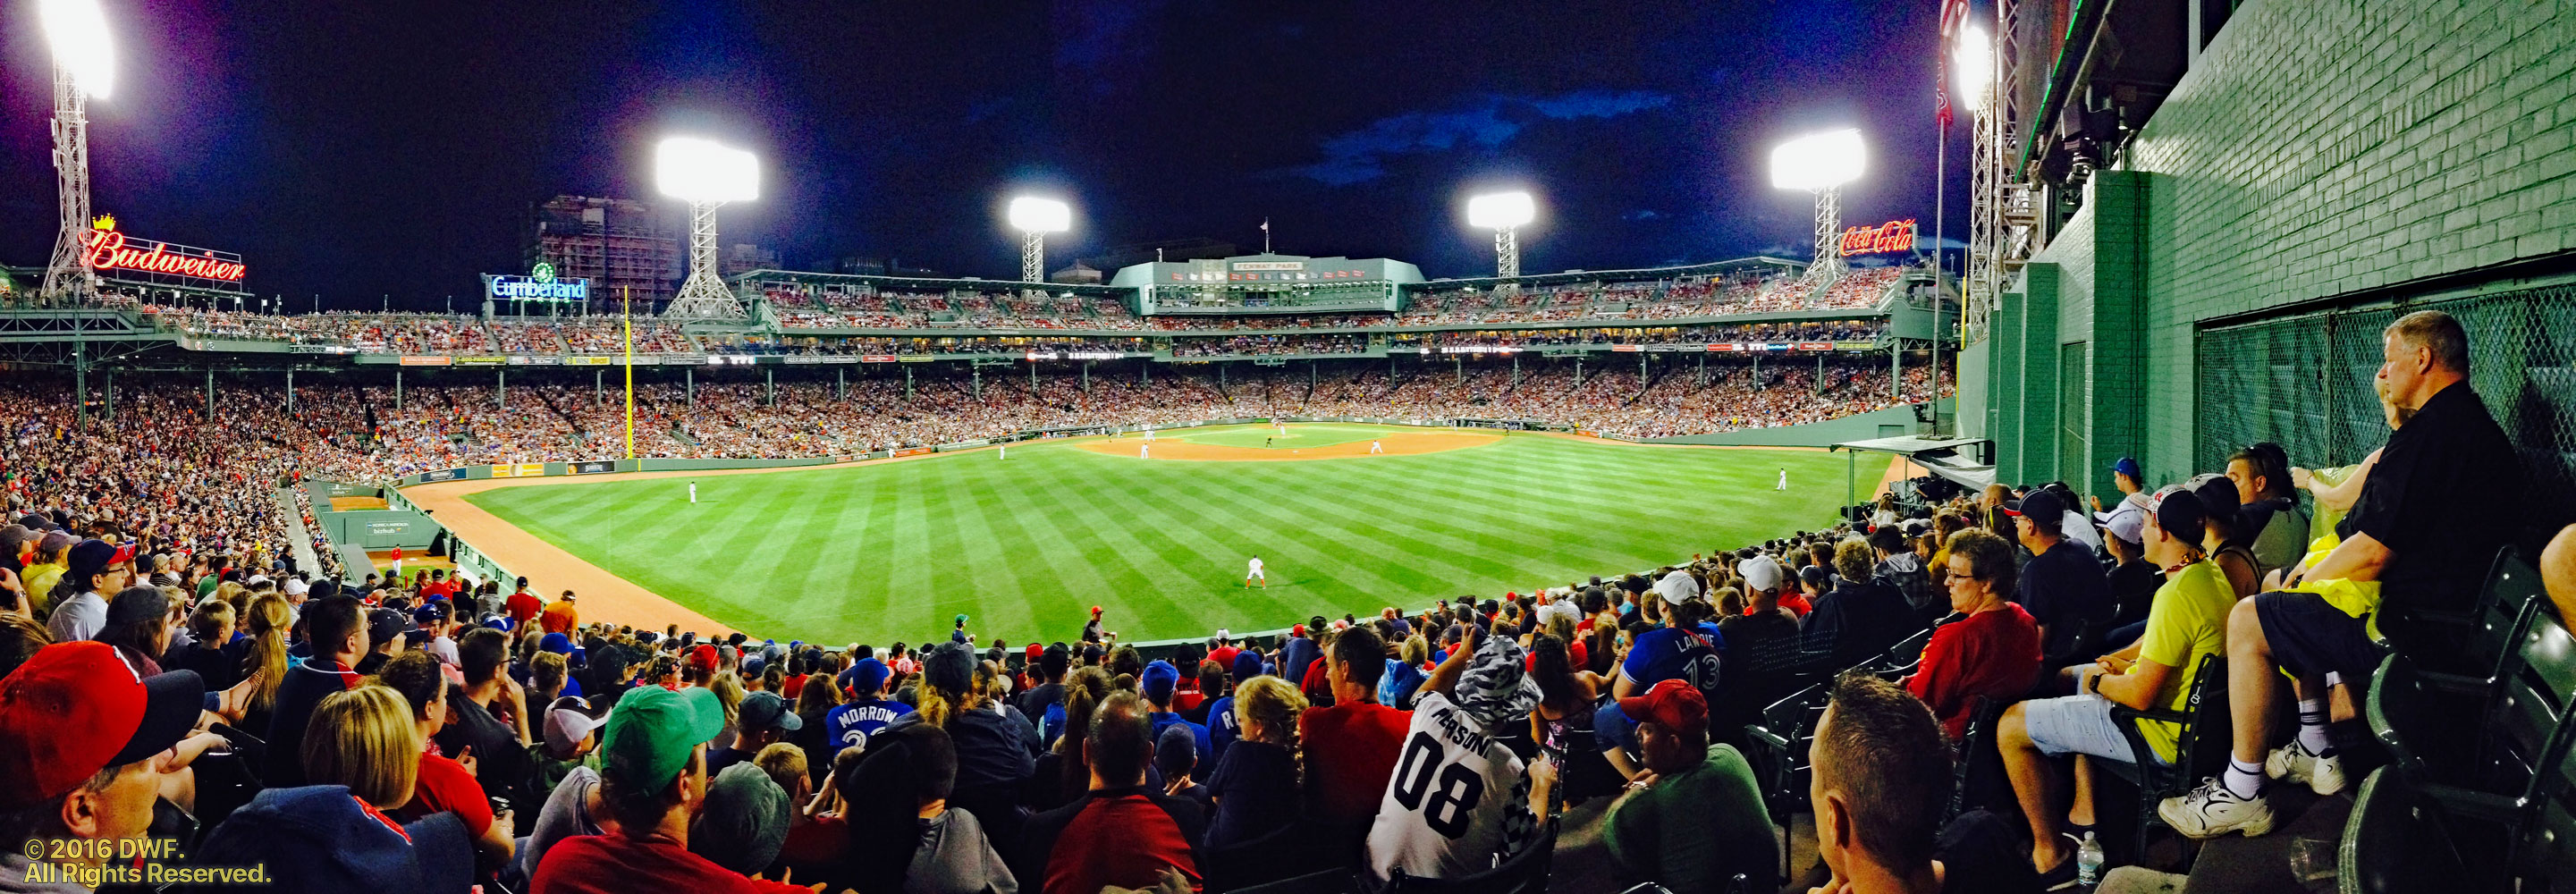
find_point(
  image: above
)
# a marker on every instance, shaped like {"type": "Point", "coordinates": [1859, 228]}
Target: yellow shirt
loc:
{"type": "Point", "coordinates": [39, 580]}
{"type": "Point", "coordinates": [2187, 620]}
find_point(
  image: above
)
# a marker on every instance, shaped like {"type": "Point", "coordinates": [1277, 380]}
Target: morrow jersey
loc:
{"type": "Point", "coordinates": [1458, 803]}
{"type": "Point", "coordinates": [851, 725]}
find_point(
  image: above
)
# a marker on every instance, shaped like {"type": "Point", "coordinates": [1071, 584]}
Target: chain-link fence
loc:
{"type": "Point", "coordinates": [2306, 383]}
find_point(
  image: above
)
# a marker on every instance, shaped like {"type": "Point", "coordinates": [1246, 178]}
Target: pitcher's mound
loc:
{"type": "Point", "coordinates": [1397, 444]}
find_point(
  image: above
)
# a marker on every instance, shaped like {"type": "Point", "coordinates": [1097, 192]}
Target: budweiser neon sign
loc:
{"type": "Point", "coordinates": [1894, 235]}
{"type": "Point", "coordinates": [109, 250]}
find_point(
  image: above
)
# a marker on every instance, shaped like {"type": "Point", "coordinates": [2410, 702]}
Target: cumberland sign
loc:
{"type": "Point", "coordinates": [111, 252]}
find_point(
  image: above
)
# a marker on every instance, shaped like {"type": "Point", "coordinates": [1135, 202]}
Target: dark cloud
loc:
{"type": "Point", "coordinates": [1361, 155]}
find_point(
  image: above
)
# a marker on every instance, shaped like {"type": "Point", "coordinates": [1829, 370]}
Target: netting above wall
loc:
{"type": "Point", "coordinates": [2306, 382]}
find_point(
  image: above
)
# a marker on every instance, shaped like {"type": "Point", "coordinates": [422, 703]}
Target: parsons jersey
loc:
{"type": "Point", "coordinates": [1458, 803]}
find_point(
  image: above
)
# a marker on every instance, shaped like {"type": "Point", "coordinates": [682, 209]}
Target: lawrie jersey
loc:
{"type": "Point", "coordinates": [1459, 801]}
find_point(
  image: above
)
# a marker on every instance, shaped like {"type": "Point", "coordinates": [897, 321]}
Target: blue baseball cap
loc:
{"type": "Point", "coordinates": [2128, 465]}
{"type": "Point", "coordinates": [556, 643]}
{"type": "Point", "coordinates": [1247, 665]}
{"type": "Point", "coordinates": [1160, 677]}
{"type": "Point", "coordinates": [869, 675]}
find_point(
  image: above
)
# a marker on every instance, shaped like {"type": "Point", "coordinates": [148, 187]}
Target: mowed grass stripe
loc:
{"type": "Point", "coordinates": [889, 552]}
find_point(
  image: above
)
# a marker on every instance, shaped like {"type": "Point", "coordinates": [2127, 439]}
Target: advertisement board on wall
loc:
{"type": "Point", "coordinates": [591, 467]}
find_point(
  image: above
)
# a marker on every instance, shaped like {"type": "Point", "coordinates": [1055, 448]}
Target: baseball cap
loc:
{"type": "Point", "coordinates": [77, 708]}
{"type": "Point", "coordinates": [1095, 611]}
{"type": "Point", "coordinates": [1760, 572]}
{"type": "Point", "coordinates": [2179, 513]}
{"type": "Point", "coordinates": [1677, 587]}
{"type": "Point", "coordinates": [556, 643]}
{"type": "Point", "coordinates": [2127, 465]}
{"type": "Point", "coordinates": [703, 659]}
{"type": "Point", "coordinates": [384, 624]}
{"type": "Point", "coordinates": [430, 612]}
{"type": "Point", "coordinates": [869, 675]}
{"type": "Point", "coordinates": [1297, 630]}
{"type": "Point", "coordinates": [87, 557]}
{"type": "Point", "coordinates": [1222, 635]}
{"type": "Point", "coordinates": [1175, 750]}
{"type": "Point", "coordinates": [653, 731]}
{"type": "Point", "coordinates": [567, 723]}
{"type": "Point", "coordinates": [297, 587]}
{"type": "Point", "coordinates": [765, 710]}
{"type": "Point", "coordinates": [2128, 526]}
{"type": "Point", "coordinates": [960, 619]}
{"type": "Point", "coordinates": [1672, 704]}
{"type": "Point", "coordinates": [742, 824]}
{"type": "Point", "coordinates": [1160, 677]}
{"type": "Point", "coordinates": [1247, 665]}
{"type": "Point", "coordinates": [2042, 503]}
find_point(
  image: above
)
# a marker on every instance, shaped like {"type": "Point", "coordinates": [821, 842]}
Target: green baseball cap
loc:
{"type": "Point", "coordinates": [652, 732]}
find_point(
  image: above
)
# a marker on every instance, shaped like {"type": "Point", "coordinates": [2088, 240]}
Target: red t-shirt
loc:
{"type": "Point", "coordinates": [524, 607]}
{"type": "Point", "coordinates": [1224, 657]}
{"type": "Point", "coordinates": [445, 786]}
{"type": "Point", "coordinates": [1994, 654]}
{"type": "Point", "coordinates": [1350, 753]}
{"type": "Point", "coordinates": [621, 864]}
{"type": "Point", "coordinates": [1795, 602]}
{"type": "Point", "coordinates": [793, 686]}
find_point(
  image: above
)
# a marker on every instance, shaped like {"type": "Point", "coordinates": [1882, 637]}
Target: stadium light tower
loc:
{"type": "Point", "coordinates": [1821, 164]}
{"type": "Point", "coordinates": [84, 66]}
{"type": "Point", "coordinates": [1504, 213]}
{"type": "Point", "coordinates": [1034, 218]}
{"type": "Point", "coordinates": [706, 175]}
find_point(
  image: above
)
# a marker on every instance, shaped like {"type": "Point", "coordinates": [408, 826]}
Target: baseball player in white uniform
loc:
{"type": "Point", "coordinates": [693, 493]}
{"type": "Point", "coordinates": [1375, 447]}
{"type": "Point", "coordinates": [1252, 573]}
{"type": "Point", "coordinates": [1784, 480]}
{"type": "Point", "coordinates": [1145, 450]}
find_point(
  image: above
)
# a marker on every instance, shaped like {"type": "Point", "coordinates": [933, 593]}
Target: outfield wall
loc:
{"type": "Point", "coordinates": [2321, 167]}
{"type": "Point", "coordinates": [1887, 423]}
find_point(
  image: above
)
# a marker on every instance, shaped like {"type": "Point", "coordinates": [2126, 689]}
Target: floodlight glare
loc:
{"type": "Point", "coordinates": [1973, 61]}
{"type": "Point", "coordinates": [1029, 215]}
{"type": "Point", "coordinates": [1500, 211]}
{"type": "Point", "coordinates": [1820, 161]}
{"type": "Point", "coordinates": [77, 29]}
{"type": "Point", "coordinates": [701, 171]}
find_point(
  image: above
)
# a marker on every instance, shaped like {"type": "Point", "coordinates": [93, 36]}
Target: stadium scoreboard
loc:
{"type": "Point", "coordinates": [1268, 283]}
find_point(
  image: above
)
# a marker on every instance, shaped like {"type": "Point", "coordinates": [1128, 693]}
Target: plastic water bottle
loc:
{"type": "Point", "coordinates": [2088, 862]}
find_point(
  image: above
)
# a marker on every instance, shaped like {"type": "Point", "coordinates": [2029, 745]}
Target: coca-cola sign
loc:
{"type": "Point", "coordinates": [1894, 235]}
{"type": "Point", "coordinates": [109, 251]}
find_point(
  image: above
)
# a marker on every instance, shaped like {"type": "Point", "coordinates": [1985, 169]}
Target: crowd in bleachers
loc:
{"type": "Point", "coordinates": [2210, 641]}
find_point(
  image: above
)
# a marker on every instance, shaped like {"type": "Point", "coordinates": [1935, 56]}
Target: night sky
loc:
{"type": "Point", "coordinates": [359, 149]}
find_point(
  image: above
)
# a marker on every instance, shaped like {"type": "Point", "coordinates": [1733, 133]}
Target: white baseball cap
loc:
{"type": "Point", "coordinates": [1760, 573]}
{"type": "Point", "coordinates": [1678, 587]}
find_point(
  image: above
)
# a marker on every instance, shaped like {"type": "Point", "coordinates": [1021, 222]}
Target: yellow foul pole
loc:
{"type": "Point", "coordinates": [626, 312]}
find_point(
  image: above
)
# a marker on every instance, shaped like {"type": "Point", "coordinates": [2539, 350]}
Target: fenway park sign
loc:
{"type": "Point", "coordinates": [109, 251]}
{"type": "Point", "coordinates": [1894, 235]}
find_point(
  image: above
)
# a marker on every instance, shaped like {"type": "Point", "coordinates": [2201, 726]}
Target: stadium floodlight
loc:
{"type": "Point", "coordinates": [706, 175]}
{"type": "Point", "coordinates": [1034, 218]}
{"type": "Point", "coordinates": [1821, 164]}
{"type": "Point", "coordinates": [77, 30]}
{"type": "Point", "coordinates": [1972, 60]}
{"type": "Point", "coordinates": [1504, 213]}
{"type": "Point", "coordinates": [84, 66]}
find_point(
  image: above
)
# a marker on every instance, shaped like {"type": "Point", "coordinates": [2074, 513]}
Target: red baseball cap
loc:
{"type": "Point", "coordinates": [1675, 704]}
{"type": "Point", "coordinates": [702, 658]}
{"type": "Point", "coordinates": [77, 708]}
{"type": "Point", "coordinates": [1095, 611]}
{"type": "Point", "coordinates": [1299, 630]}
{"type": "Point", "coordinates": [1036, 650]}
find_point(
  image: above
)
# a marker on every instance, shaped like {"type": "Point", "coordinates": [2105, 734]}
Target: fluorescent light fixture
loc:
{"type": "Point", "coordinates": [1818, 161]}
{"type": "Point", "coordinates": [77, 29]}
{"type": "Point", "coordinates": [702, 171]}
{"type": "Point", "coordinates": [1030, 215]}
{"type": "Point", "coordinates": [1501, 211]}
{"type": "Point", "coordinates": [1972, 59]}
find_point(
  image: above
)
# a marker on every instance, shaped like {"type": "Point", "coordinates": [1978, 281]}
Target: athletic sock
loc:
{"type": "Point", "coordinates": [2243, 779]}
{"type": "Point", "coordinates": [2312, 728]}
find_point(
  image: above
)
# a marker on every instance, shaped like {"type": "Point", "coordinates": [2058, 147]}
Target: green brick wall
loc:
{"type": "Point", "coordinates": [2318, 148]}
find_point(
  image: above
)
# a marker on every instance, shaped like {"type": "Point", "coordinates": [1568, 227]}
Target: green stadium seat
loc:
{"type": "Point", "coordinates": [1978, 768]}
{"type": "Point", "coordinates": [1779, 754]}
{"type": "Point", "coordinates": [2466, 642]}
{"type": "Point", "coordinates": [2517, 778]}
{"type": "Point", "coordinates": [2395, 842]}
{"type": "Point", "coordinates": [2199, 752]}
{"type": "Point", "coordinates": [1525, 873]}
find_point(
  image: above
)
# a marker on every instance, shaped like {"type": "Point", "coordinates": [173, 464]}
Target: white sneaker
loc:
{"type": "Point", "coordinates": [2295, 764]}
{"type": "Point", "coordinates": [2213, 810]}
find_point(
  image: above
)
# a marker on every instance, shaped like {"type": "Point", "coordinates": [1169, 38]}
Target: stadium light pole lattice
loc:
{"type": "Point", "coordinates": [84, 66]}
{"type": "Point", "coordinates": [1504, 213]}
{"type": "Point", "coordinates": [706, 175]}
{"type": "Point", "coordinates": [1035, 218]}
{"type": "Point", "coordinates": [1821, 164]}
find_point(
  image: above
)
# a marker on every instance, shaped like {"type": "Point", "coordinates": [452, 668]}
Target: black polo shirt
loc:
{"type": "Point", "coordinates": [2447, 492]}
{"type": "Point", "coordinates": [2063, 588]}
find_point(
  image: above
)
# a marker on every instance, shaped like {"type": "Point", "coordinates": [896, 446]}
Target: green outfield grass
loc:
{"type": "Point", "coordinates": [1026, 545]}
{"type": "Point", "coordinates": [1319, 434]}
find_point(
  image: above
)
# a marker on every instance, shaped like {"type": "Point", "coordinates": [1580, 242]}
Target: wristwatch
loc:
{"type": "Point", "coordinates": [2095, 682]}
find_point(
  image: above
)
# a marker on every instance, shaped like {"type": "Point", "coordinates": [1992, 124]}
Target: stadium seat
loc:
{"type": "Point", "coordinates": [1330, 881]}
{"type": "Point", "coordinates": [2395, 841]}
{"type": "Point", "coordinates": [1979, 770]}
{"type": "Point", "coordinates": [2466, 642]}
{"type": "Point", "coordinates": [1525, 873]}
{"type": "Point", "coordinates": [2200, 751]}
{"type": "Point", "coordinates": [1270, 858]}
{"type": "Point", "coordinates": [2512, 784]}
{"type": "Point", "coordinates": [1779, 753]}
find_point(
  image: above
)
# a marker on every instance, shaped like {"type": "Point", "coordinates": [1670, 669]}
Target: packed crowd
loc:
{"type": "Point", "coordinates": [433, 734]}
